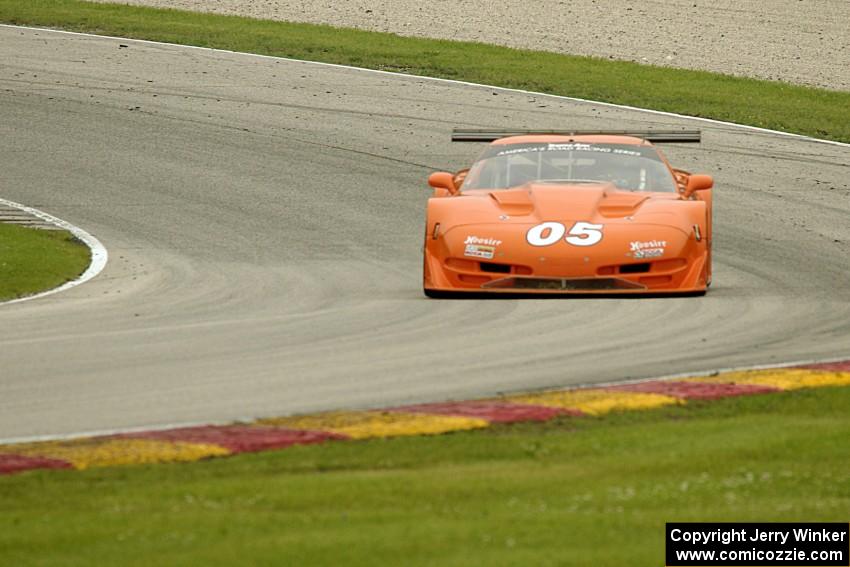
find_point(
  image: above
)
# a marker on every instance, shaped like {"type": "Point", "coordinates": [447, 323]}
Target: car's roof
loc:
{"type": "Point", "coordinates": [559, 138]}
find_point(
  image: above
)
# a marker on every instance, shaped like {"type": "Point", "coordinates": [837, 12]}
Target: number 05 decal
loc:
{"type": "Point", "coordinates": [548, 233]}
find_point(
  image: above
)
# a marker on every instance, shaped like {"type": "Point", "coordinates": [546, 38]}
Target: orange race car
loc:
{"type": "Point", "coordinates": [549, 212]}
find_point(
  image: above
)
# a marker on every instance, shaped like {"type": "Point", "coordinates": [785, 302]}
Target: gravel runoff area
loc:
{"type": "Point", "coordinates": [798, 41]}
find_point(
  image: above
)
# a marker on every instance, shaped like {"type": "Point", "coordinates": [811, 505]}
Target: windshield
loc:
{"type": "Point", "coordinates": [630, 167]}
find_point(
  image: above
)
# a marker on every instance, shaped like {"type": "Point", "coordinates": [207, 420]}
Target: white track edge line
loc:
{"type": "Point", "coordinates": [249, 420]}
{"type": "Point", "coordinates": [99, 255]}
{"type": "Point", "coordinates": [451, 81]}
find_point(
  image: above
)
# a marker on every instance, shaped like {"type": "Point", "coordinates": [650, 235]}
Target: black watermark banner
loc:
{"type": "Point", "coordinates": [758, 545]}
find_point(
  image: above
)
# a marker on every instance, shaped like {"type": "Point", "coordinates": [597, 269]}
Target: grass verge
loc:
{"type": "Point", "coordinates": [586, 491]}
{"type": "Point", "coordinates": [780, 106]}
{"type": "Point", "coordinates": [37, 260]}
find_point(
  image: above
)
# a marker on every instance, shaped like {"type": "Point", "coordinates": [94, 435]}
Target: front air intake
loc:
{"type": "Point", "coordinates": [564, 284]}
{"type": "Point", "coordinates": [641, 268]}
{"type": "Point", "coordinates": [495, 268]}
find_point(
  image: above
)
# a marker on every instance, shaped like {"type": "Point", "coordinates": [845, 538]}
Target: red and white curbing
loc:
{"type": "Point", "coordinates": [99, 254]}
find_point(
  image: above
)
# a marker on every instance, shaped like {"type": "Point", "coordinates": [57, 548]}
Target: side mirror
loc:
{"type": "Point", "coordinates": [698, 183]}
{"type": "Point", "coordinates": [443, 180]}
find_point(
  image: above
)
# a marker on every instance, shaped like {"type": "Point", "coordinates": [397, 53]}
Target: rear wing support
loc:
{"type": "Point", "coordinates": [655, 136]}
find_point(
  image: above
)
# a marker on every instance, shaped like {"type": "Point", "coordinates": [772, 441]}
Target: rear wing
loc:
{"type": "Point", "coordinates": [655, 136]}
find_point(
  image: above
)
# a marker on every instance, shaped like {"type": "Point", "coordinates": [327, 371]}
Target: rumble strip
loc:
{"type": "Point", "coordinates": [202, 442]}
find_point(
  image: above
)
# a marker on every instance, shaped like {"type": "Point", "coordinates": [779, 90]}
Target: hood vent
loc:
{"type": "Point", "coordinates": [514, 202]}
{"type": "Point", "coordinates": [621, 204]}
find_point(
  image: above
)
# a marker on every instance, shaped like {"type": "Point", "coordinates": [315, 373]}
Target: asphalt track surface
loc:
{"type": "Point", "coordinates": [264, 222]}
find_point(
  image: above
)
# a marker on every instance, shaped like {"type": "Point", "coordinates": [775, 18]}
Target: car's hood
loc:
{"type": "Point", "coordinates": [545, 225]}
{"type": "Point", "coordinates": [583, 201]}
{"type": "Point", "coordinates": [538, 202]}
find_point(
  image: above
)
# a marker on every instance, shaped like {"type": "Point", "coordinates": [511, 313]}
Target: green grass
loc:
{"type": "Point", "coordinates": [37, 260]}
{"type": "Point", "coordinates": [775, 105]}
{"type": "Point", "coordinates": [588, 491]}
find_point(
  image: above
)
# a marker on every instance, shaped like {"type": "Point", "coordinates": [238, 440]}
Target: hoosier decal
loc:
{"type": "Point", "coordinates": [484, 241]}
{"type": "Point", "coordinates": [649, 249]}
{"type": "Point", "coordinates": [479, 251]}
{"type": "Point", "coordinates": [477, 247]}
